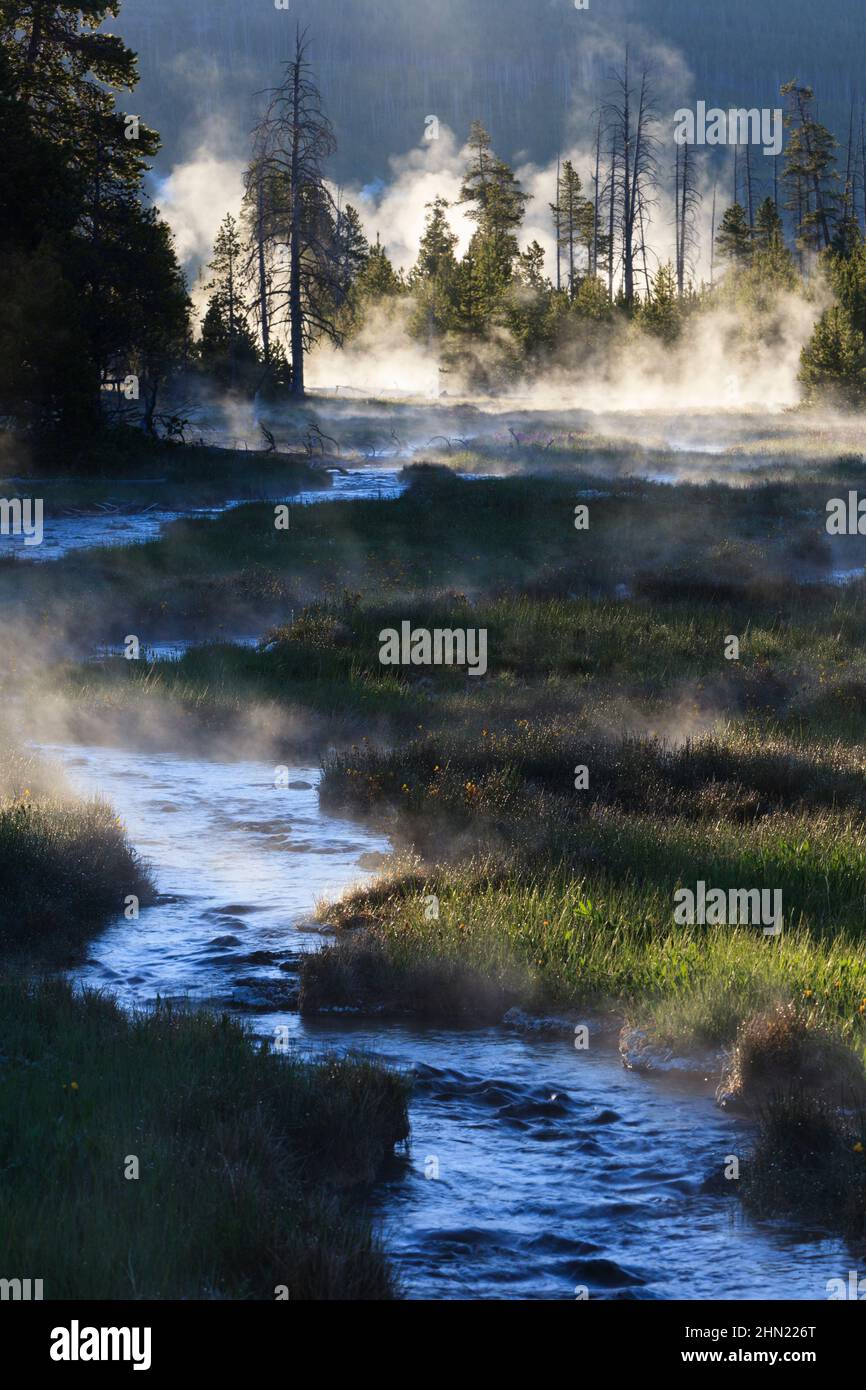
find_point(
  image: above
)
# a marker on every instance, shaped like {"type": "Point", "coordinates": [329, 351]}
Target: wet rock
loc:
{"type": "Point", "coordinates": [300, 786]}
{"type": "Point", "coordinates": [521, 1022]}
{"type": "Point", "coordinates": [263, 996]}
{"type": "Point", "coordinates": [643, 1053]}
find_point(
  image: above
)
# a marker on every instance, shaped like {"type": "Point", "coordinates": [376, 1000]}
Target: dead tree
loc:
{"type": "Point", "coordinates": [686, 200]}
{"type": "Point", "coordinates": [631, 120]}
{"type": "Point", "coordinates": [749, 200]}
{"type": "Point", "coordinates": [258, 217]}
{"type": "Point", "coordinates": [294, 139]}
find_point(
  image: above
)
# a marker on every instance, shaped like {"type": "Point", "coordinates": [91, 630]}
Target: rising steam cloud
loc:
{"type": "Point", "coordinates": [712, 367]}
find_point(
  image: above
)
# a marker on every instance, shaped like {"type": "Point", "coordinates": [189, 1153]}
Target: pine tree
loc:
{"type": "Point", "coordinates": [352, 250]}
{"type": "Point", "coordinates": [833, 362]}
{"type": "Point", "coordinates": [433, 279]}
{"type": "Point", "coordinates": [810, 155]}
{"type": "Point", "coordinates": [529, 295]}
{"type": "Point", "coordinates": [768, 229]}
{"type": "Point", "coordinates": [378, 279]}
{"type": "Point", "coordinates": [227, 344]}
{"type": "Point", "coordinates": [847, 277]}
{"type": "Point", "coordinates": [661, 314]}
{"type": "Point", "coordinates": [575, 222]}
{"type": "Point", "coordinates": [59, 74]}
{"type": "Point", "coordinates": [734, 238]}
{"type": "Point", "coordinates": [158, 308]}
{"type": "Point", "coordinates": [496, 203]}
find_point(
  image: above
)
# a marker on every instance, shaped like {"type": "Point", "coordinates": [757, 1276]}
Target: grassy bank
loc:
{"type": "Point", "coordinates": [568, 895]}
{"type": "Point", "coordinates": [646, 664]}
{"type": "Point", "coordinates": [594, 941]}
{"type": "Point", "coordinates": [66, 865]}
{"type": "Point", "coordinates": [246, 1161]}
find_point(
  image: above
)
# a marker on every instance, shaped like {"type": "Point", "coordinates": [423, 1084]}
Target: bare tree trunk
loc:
{"type": "Point", "coordinates": [638, 170]}
{"type": "Point", "coordinates": [263, 273]}
{"type": "Point", "coordinates": [646, 278]}
{"type": "Point", "coordinates": [304, 275]}
{"type": "Point", "coordinates": [558, 231]}
{"type": "Point", "coordinates": [611, 219]}
{"type": "Point", "coordinates": [295, 305]}
{"type": "Point", "coordinates": [571, 217]}
{"type": "Point", "coordinates": [594, 260]}
{"type": "Point", "coordinates": [679, 223]}
{"type": "Point", "coordinates": [627, 210]}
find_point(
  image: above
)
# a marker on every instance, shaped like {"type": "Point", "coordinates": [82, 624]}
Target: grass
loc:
{"type": "Point", "coordinates": [591, 941]}
{"type": "Point", "coordinates": [592, 665]}
{"type": "Point", "coordinates": [66, 865]}
{"type": "Point", "coordinates": [246, 1160]}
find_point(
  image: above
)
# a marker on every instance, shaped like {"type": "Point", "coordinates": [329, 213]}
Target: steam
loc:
{"type": "Point", "coordinates": [717, 365]}
{"type": "Point", "coordinates": [396, 212]}
{"type": "Point", "coordinates": [194, 199]}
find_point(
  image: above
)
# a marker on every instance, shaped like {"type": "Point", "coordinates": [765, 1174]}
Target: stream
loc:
{"type": "Point", "coordinates": [534, 1170]}
{"type": "Point", "coordinates": [65, 531]}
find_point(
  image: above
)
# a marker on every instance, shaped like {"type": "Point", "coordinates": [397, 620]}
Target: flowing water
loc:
{"type": "Point", "coordinates": [65, 530]}
{"type": "Point", "coordinates": [534, 1170]}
